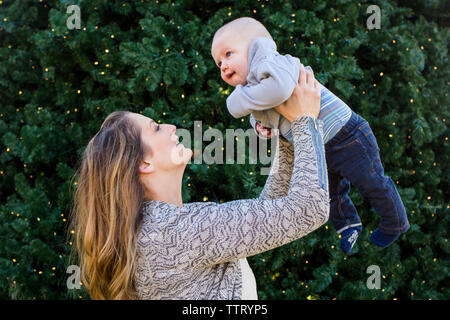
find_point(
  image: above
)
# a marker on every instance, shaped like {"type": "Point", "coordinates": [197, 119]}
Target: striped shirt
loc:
{"type": "Point", "coordinates": [334, 114]}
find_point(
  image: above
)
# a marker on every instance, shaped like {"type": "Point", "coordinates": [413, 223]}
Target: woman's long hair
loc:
{"type": "Point", "coordinates": [105, 212]}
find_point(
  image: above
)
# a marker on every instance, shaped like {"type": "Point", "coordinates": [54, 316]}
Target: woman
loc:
{"type": "Point", "coordinates": [136, 239]}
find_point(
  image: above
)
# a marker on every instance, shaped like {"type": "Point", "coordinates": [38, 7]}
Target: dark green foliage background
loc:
{"type": "Point", "coordinates": [53, 98]}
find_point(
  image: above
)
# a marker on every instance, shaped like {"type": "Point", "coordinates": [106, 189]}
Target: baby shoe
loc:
{"type": "Point", "coordinates": [348, 238]}
{"type": "Point", "coordinates": [381, 239]}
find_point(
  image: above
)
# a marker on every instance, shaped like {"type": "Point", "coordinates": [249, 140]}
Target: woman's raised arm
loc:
{"type": "Point", "coordinates": [205, 234]}
{"type": "Point", "coordinates": [277, 183]}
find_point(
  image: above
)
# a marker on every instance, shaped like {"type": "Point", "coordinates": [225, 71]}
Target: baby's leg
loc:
{"type": "Point", "coordinates": [364, 170]}
{"type": "Point", "coordinates": [343, 213]}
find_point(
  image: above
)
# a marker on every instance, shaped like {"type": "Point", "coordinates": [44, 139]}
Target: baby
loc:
{"type": "Point", "coordinates": [247, 56]}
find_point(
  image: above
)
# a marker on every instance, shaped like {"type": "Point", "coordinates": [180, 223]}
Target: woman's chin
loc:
{"type": "Point", "coordinates": [187, 155]}
{"type": "Point", "coordinates": [180, 154]}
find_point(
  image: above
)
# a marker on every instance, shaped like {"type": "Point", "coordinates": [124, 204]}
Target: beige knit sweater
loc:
{"type": "Point", "coordinates": [192, 252]}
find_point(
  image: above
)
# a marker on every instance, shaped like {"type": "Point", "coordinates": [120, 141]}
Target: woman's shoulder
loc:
{"type": "Point", "coordinates": [166, 225]}
{"type": "Point", "coordinates": [160, 208]}
{"type": "Point", "coordinates": [160, 215]}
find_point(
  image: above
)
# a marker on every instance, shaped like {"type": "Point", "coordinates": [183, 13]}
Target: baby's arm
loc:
{"type": "Point", "coordinates": [272, 76]}
{"type": "Point", "coordinates": [276, 83]}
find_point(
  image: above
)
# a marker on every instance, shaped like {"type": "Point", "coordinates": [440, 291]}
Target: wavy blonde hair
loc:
{"type": "Point", "coordinates": [105, 212]}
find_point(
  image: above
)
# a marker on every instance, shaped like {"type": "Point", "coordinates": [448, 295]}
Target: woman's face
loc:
{"type": "Point", "coordinates": [166, 153]}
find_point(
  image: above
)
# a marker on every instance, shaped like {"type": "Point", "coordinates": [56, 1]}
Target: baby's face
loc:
{"type": "Point", "coordinates": [231, 56]}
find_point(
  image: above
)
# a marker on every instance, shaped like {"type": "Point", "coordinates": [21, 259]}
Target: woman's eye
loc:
{"type": "Point", "coordinates": [157, 128]}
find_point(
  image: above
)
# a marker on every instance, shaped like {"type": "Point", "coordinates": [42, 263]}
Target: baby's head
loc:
{"type": "Point", "coordinates": [230, 45]}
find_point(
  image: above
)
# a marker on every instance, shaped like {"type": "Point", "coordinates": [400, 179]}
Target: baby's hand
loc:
{"type": "Point", "coordinates": [264, 131]}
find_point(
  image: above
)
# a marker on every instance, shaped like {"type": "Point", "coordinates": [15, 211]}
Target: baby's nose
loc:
{"type": "Point", "coordinates": [223, 67]}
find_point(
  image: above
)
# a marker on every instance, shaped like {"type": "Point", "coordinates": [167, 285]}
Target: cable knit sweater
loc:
{"type": "Point", "coordinates": [192, 252]}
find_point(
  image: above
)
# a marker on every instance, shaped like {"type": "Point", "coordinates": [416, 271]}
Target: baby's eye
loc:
{"type": "Point", "coordinates": [228, 53]}
{"type": "Point", "coordinates": [219, 64]}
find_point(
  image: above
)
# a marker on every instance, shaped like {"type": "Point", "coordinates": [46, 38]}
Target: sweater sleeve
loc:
{"type": "Point", "coordinates": [277, 183]}
{"type": "Point", "coordinates": [276, 78]}
{"type": "Point", "coordinates": [219, 233]}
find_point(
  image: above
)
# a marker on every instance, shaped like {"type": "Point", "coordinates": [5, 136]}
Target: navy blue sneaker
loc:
{"type": "Point", "coordinates": [348, 238]}
{"type": "Point", "coordinates": [381, 239]}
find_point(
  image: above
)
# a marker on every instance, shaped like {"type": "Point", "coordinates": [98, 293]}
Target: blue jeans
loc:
{"type": "Point", "coordinates": [353, 157]}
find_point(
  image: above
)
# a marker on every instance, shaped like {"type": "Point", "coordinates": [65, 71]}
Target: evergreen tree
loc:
{"type": "Point", "coordinates": [57, 86]}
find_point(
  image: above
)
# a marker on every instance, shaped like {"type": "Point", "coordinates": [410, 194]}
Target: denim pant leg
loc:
{"type": "Point", "coordinates": [379, 188]}
{"type": "Point", "coordinates": [360, 163]}
{"type": "Point", "coordinates": [343, 213]}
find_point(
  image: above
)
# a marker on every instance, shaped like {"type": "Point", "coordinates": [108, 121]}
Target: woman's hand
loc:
{"type": "Point", "coordinates": [305, 99]}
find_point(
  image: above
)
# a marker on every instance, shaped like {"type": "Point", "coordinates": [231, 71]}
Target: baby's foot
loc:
{"type": "Point", "coordinates": [348, 238]}
{"type": "Point", "coordinates": [381, 239]}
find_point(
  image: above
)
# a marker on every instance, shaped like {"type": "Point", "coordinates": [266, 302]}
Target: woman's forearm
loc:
{"type": "Point", "coordinates": [309, 173]}
{"type": "Point", "coordinates": [277, 183]}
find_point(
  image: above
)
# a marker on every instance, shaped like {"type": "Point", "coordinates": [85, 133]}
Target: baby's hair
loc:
{"type": "Point", "coordinates": [250, 26]}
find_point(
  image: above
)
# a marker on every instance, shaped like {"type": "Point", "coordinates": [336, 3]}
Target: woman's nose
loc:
{"type": "Point", "coordinates": [172, 128]}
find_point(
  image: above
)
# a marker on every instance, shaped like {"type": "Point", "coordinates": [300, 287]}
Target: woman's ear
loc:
{"type": "Point", "coordinates": [146, 167]}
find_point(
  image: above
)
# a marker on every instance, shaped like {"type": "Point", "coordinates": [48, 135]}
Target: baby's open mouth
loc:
{"type": "Point", "coordinates": [229, 75]}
